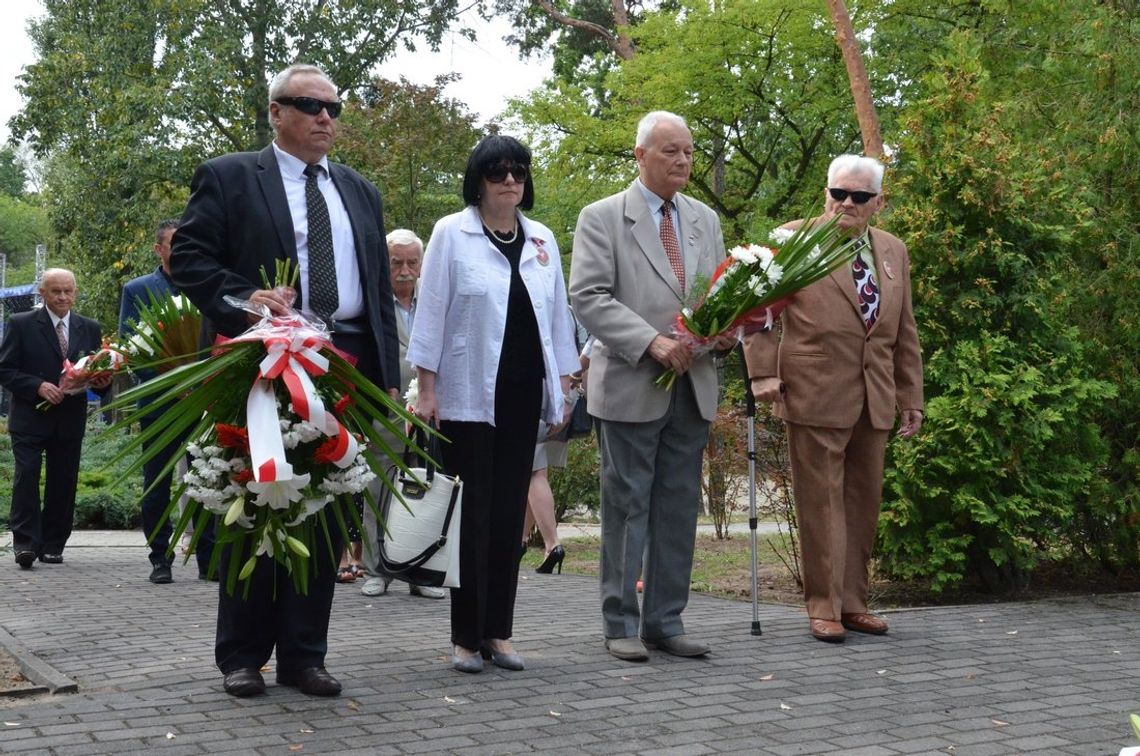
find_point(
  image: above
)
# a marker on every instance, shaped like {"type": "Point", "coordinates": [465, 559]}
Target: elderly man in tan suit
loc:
{"type": "Point", "coordinates": [846, 362]}
{"type": "Point", "coordinates": [636, 256]}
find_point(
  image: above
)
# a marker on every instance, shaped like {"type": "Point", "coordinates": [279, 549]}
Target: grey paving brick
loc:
{"type": "Point", "coordinates": [945, 678]}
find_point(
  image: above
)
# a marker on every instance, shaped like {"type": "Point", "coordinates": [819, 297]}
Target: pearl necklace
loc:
{"type": "Point", "coordinates": [494, 233]}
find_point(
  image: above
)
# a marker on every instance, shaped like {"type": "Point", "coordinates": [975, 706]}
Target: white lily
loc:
{"type": "Point", "coordinates": [279, 494]}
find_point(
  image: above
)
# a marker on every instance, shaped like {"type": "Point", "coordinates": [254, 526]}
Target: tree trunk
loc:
{"type": "Point", "coordinates": [857, 74]}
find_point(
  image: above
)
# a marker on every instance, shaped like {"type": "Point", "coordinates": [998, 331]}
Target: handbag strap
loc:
{"type": "Point", "coordinates": [430, 445]}
{"type": "Point", "coordinates": [425, 555]}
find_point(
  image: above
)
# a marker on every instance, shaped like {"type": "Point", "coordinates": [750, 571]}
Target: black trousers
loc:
{"type": "Point", "coordinates": [155, 501]}
{"type": "Point", "coordinates": [275, 615]}
{"type": "Point", "coordinates": [46, 531]}
{"type": "Point", "coordinates": [494, 462]}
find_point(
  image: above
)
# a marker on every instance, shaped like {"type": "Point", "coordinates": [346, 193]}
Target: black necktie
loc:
{"type": "Point", "coordinates": [323, 297]}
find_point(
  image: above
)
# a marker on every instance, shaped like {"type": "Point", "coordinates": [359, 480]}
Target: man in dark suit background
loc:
{"type": "Point", "coordinates": [246, 212]}
{"type": "Point", "coordinates": [137, 294]}
{"type": "Point", "coordinates": [845, 363]}
{"type": "Point", "coordinates": [31, 360]}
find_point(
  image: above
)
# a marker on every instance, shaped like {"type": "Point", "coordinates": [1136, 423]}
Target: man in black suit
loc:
{"type": "Point", "coordinates": [246, 212]}
{"type": "Point", "coordinates": [31, 360]}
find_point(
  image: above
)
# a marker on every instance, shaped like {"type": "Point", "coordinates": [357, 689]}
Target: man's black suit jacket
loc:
{"type": "Point", "coordinates": [237, 223]}
{"type": "Point", "coordinates": [29, 356]}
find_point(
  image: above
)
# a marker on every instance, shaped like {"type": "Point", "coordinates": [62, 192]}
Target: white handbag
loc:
{"type": "Point", "coordinates": [419, 540]}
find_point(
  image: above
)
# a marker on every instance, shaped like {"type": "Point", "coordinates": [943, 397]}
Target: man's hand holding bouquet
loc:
{"type": "Point", "coordinates": [749, 289]}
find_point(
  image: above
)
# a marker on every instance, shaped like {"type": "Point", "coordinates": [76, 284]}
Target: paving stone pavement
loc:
{"type": "Point", "coordinates": [1051, 677]}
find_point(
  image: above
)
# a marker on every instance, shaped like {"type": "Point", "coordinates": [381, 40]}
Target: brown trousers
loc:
{"type": "Point", "coordinates": [837, 479]}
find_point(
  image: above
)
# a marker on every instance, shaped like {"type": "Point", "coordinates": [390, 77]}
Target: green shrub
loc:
{"type": "Point", "coordinates": [575, 486]}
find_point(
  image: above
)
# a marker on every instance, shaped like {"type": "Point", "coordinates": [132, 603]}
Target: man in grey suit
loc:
{"type": "Point", "coordinates": [636, 255]}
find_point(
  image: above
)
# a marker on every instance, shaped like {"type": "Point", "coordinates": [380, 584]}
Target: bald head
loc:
{"type": "Point", "coordinates": [58, 290]}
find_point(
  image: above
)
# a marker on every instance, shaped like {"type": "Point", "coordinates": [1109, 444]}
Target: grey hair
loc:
{"type": "Point", "coordinates": [856, 164]}
{"type": "Point", "coordinates": [402, 237]}
{"type": "Point", "coordinates": [650, 120]}
{"type": "Point", "coordinates": [281, 80]}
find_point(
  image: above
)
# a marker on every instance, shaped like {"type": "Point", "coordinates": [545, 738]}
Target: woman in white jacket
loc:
{"type": "Point", "coordinates": [493, 348]}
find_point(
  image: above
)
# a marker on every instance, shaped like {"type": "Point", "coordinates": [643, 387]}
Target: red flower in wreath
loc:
{"type": "Point", "coordinates": [232, 437]}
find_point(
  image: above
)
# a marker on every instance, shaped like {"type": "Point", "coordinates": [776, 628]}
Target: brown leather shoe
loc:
{"type": "Point", "coordinates": [861, 622]}
{"type": "Point", "coordinates": [828, 631]}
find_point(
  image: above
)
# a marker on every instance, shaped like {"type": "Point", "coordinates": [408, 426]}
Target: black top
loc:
{"type": "Point", "coordinates": [521, 358]}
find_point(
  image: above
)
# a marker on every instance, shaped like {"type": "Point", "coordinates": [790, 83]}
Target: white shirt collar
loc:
{"type": "Point", "coordinates": [293, 166]}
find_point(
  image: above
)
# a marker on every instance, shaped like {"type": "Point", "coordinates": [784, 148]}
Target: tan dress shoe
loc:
{"type": "Point", "coordinates": [828, 631]}
{"type": "Point", "coordinates": [861, 622]}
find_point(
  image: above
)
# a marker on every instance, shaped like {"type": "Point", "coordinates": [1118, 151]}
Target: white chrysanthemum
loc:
{"type": "Point", "coordinates": [781, 235]}
{"type": "Point", "coordinates": [764, 256]}
{"type": "Point", "coordinates": [412, 395]}
{"type": "Point", "coordinates": [290, 439]}
{"type": "Point", "coordinates": [138, 344]}
{"type": "Point", "coordinates": [744, 254]}
{"type": "Point", "coordinates": [687, 312]}
{"type": "Point", "coordinates": [307, 431]}
{"type": "Point", "coordinates": [775, 272]}
{"type": "Point", "coordinates": [757, 285]}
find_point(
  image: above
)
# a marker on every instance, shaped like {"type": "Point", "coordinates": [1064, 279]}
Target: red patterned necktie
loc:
{"type": "Point", "coordinates": [672, 248]}
{"type": "Point", "coordinates": [865, 287]}
{"type": "Point", "coordinates": [61, 334]}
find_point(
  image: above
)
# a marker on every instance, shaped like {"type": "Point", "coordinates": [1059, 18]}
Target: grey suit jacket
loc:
{"type": "Point", "coordinates": [625, 294]}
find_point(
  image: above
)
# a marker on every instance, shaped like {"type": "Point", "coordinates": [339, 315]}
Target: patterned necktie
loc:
{"type": "Point", "coordinates": [672, 248]}
{"type": "Point", "coordinates": [61, 334]}
{"type": "Point", "coordinates": [323, 299]}
{"type": "Point", "coordinates": [865, 287]}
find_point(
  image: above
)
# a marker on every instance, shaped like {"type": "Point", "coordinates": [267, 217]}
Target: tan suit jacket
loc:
{"type": "Point", "coordinates": [829, 361]}
{"type": "Point", "coordinates": [624, 293]}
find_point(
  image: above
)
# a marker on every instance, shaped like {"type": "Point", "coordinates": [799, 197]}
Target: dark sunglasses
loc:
{"type": "Point", "coordinates": [312, 106]}
{"type": "Point", "coordinates": [497, 174]}
{"type": "Point", "coordinates": [859, 198]}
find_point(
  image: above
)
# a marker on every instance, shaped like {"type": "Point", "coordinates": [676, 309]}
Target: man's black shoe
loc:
{"type": "Point", "coordinates": [244, 682]}
{"type": "Point", "coordinates": [314, 681]}
{"type": "Point", "coordinates": [25, 558]}
{"type": "Point", "coordinates": [51, 558]}
{"type": "Point", "coordinates": [161, 574]}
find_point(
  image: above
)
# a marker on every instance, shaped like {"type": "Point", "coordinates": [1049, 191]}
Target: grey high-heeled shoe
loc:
{"type": "Point", "coordinates": [511, 660]}
{"type": "Point", "coordinates": [472, 664]}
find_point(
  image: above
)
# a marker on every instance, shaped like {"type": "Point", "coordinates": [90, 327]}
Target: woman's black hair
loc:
{"type": "Point", "coordinates": [492, 150]}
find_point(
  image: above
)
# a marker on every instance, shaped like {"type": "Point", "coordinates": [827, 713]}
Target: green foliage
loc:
{"type": "Point", "coordinates": [413, 143]}
{"type": "Point", "coordinates": [23, 225]}
{"type": "Point", "coordinates": [127, 97]}
{"type": "Point", "coordinates": [13, 177]}
{"type": "Point", "coordinates": [575, 486]}
{"type": "Point", "coordinates": [1010, 449]}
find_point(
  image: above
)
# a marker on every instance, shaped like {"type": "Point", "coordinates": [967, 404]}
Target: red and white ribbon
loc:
{"type": "Point", "coordinates": [292, 356]}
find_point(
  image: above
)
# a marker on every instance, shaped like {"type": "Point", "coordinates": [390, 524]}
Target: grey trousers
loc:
{"type": "Point", "coordinates": [650, 491]}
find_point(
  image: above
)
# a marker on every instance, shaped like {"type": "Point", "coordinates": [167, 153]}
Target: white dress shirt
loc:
{"type": "Point", "coordinates": [350, 297]}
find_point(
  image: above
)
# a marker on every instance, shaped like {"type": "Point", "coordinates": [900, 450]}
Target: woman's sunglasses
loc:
{"type": "Point", "coordinates": [859, 198]}
{"type": "Point", "coordinates": [312, 106]}
{"type": "Point", "coordinates": [497, 174]}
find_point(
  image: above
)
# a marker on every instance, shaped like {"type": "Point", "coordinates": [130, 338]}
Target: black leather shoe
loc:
{"type": "Point", "coordinates": [160, 574]}
{"type": "Point", "coordinates": [244, 682]}
{"type": "Point", "coordinates": [314, 681]}
{"type": "Point", "coordinates": [25, 558]}
{"type": "Point", "coordinates": [51, 558]}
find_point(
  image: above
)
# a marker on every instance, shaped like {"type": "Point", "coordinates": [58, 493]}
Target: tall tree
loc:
{"type": "Point", "coordinates": [413, 143]}
{"type": "Point", "coordinates": [857, 75]}
{"type": "Point", "coordinates": [127, 96]}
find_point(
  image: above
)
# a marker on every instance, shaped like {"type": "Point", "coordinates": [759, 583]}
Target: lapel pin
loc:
{"type": "Point", "coordinates": [887, 269]}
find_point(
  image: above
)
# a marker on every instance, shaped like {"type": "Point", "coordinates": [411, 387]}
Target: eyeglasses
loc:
{"type": "Point", "coordinates": [497, 174]}
{"type": "Point", "coordinates": [312, 106]}
{"type": "Point", "coordinates": [859, 198]}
